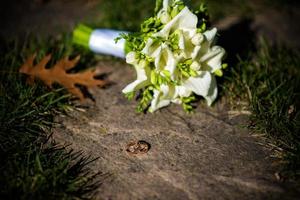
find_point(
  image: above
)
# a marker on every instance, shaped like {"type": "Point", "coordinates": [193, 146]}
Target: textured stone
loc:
{"type": "Point", "coordinates": [205, 155]}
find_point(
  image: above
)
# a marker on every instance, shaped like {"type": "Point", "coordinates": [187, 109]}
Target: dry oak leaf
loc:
{"type": "Point", "coordinates": [58, 74]}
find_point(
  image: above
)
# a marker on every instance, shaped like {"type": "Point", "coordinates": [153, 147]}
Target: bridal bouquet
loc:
{"type": "Point", "coordinates": [174, 56]}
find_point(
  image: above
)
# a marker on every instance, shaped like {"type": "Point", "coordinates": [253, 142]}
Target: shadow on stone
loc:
{"type": "Point", "coordinates": [238, 40]}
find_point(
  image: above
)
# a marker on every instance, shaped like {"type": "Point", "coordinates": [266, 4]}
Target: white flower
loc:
{"type": "Point", "coordinates": [177, 44]}
{"type": "Point", "coordinates": [131, 58]}
{"type": "Point", "coordinates": [143, 73]}
{"type": "Point", "coordinates": [162, 97]}
{"type": "Point", "coordinates": [203, 85]}
{"type": "Point", "coordinates": [197, 39]}
{"type": "Point", "coordinates": [164, 16]}
{"type": "Point", "coordinates": [185, 20]}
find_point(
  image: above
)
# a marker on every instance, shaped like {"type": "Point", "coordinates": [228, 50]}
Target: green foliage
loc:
{"type": "Point", "coordinates": [134, 41]}
{"type": "Point", "coordinates": [158, 6]}
{"type": "Point", "coordinates": [146, 98]}
{"type": "Point", "coordinates": [114, 16]}
{"type": "Point", "coordinates": [269, 82]}
{"type": "Point", "coordinates": [187, 103]}
{"type": "Point", "coordinates": [32, 166]}
{"type": "Point", "coordinates": [130, 95]}
{"type": "Point", "coordinates": [176, 7]}
{"type": "Point", "coordinates": [152, 24]}
{"type": "Point", "coordinates": [157, 79]}
{"type": "Point", "coordinates": [124, 14]}
{"type": "Point", "coordinates": [185, 69]}
{"type": "Point", "coordinates": [174, 41]}
{"type": "Point", "coordinates": [45, 171]}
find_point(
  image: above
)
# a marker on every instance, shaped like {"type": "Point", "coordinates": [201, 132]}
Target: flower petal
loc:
{"type": "Point", "coordinates": [210, 34]}
{"type": "Point", "coordinates": [184, 20]}
{"type": "Point", "coordinates": [204, 85]}
{"type": "Point", "coordinates": [146, 49]}
{"type": "Point", "coordinates": [162, 97]}
{"type": "Point", "coordinates": [171, 62]}
{"type": "Point", "coordinates": [215, 62]}
{"type": "Point", "coordinates": [166, 4]}
{"type": "Point", "coordinates": [141, 81]}
{"type": "Point", "coordinates": [212, 93]}
{"type": "Point", "coordinates": [182, 91]}
{"type": "Point", "coordinates": [214, 58]}
{"type": "Point", "coordinates": [158, 101]}
{"type": "Point", "coordinates": [199, 85]}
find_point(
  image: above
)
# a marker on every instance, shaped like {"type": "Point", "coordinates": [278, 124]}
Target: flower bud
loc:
{"type": "Point", "coordinates": [164, 17]}
{"type": "Point", "coordinates": [131, 57]}
{"type": "Point", "coordinates": [197, 39]}
{"type": "Point", "coordinates": [195, 66]}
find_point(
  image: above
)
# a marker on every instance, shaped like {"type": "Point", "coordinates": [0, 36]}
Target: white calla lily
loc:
{"type": "Point", "coordinates": [182, 60]}
{"type": "Point", "coordinates": [141, 81]}
{"type": "Point", "coordinates": [182, 91]}
{"type": "Point", "coordinates": [213, 58]}
{"type": "Point", "coordinates": [185, 20]}
{"type": "Point", "coordinates": [168, 94]}
{"type": "Point", "coordinates": [162, 97]}
{"type": "Point", "coordinates": [203, 85]}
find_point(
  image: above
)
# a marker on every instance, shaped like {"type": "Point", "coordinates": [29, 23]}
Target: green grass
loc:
{"type": "Point", "coordinates": [268, 84]}
{"type": "Point", "coordinates": [122, 14]}
{"type": "Point", "coordinates": [32, 165]}
{"type": "Point", "coordinates": [128, 14]}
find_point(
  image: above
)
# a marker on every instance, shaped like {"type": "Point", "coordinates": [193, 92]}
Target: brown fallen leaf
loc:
{"type": "Point", "coordinates": [58, 74]}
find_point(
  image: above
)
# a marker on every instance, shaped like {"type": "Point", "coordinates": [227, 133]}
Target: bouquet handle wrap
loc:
{"type": "Point", "coordinates": [103, 41]}
{"type": "Point", "coordinates": [100, 41]}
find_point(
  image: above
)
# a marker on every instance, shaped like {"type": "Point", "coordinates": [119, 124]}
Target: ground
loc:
{"type": "Point", "coordinates": [206, 155]}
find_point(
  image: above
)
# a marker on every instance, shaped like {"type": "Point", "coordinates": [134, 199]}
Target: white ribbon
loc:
{"type": "Point", "coordinates": [103, 41]}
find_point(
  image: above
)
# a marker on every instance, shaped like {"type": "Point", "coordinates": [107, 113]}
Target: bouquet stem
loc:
{"type": "Point", "coordinates": [100, 40]}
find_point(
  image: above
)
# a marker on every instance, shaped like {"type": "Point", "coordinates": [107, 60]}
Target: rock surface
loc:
{"type": "Point", "coordinates": [205, 155]}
